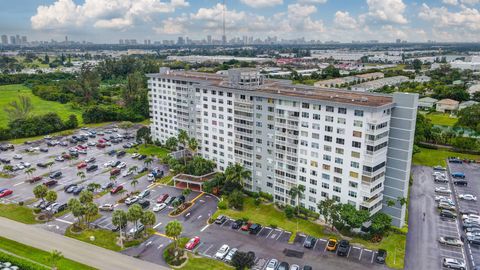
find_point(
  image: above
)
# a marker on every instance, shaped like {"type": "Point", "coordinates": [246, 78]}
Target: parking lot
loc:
{"type": "Point", "coordinates": [472, 175]}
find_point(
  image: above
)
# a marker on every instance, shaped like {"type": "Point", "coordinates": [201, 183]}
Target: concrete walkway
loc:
{"type": "Point", "coordinates": [79, 251]}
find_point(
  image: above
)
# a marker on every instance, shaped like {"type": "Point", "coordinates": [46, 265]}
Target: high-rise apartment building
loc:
{"type": "Point", "coordinates": [4, 39]}
{"type": "Point", "coordinates": [353, 147]}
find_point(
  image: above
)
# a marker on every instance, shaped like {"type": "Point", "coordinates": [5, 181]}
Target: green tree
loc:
{"type": "Point", "coordinates": [86, 196]}
{"type": "Point", "coordinates": [235, 199]}
{"type": "Point", "coordinates": [134, 182]}
{"type": "Point", "coordinates": [40, 192]}
{"type": "Point", "coordinates": [237, 174]}
{"type": "Point", "coordinates": [82, 175]}
{"type": "Point", "coordinates": [353, 217]}
{"type": "Point", "coordinates": [296, 192]}
{"type": "Point", "coordinates": [125, 125]}
{"type": "Point", "coordinates": [134, 213]}
{"type": "Point", "coordinates": [242, 260]}
{"type": "Point", "coordinates": [173, 229]}
{"type": "Point", "coordinates": [172, 143]}
{"type": "Point", "coordinates": [49, 165]}
{"type": "Point", "coordinates": [20, 109]}
{"type": "Point", "coordinates": [148, 219]}
{"type": "Point", "coordinates": [93, 186]}
{"type": "Point", "coordinates": [329, 210]}
{"type": "Point", "coordinates": [91, 210]}
{"type": "Point", "coordinates": [119, 219]}
{"type": "Point", "coordinates": [381, 222]}
{"type": "Point", "coordinates": [144, 134]}
{"type": "Point", "coordinates": [148, 161]}
{"type": "Point", "coordinates": [186, 192]}
{"type": "Point", "coordinates": [183, 139]}
{"type": "Point", "coordinates": [133, 169]}
{"type": "Point", "coordinates": [51, 196]}
{"type": "Point", "coordinates": [192, 145]}
{"type": "Point", "coordinates": [29, 172]}
{"type": "Point", "coordinates": [77, 210]}
{"type": "Point", "coordinates": [465, 143]}
{"type": "Point", "coordinates": [46, 59]}
{"type": "Point", "coordinates": [289, 211]}
{"type": "Point", "coordinates": [89, 82]}
{"type": "Point", "coordinates": [417, 65]}
{"type": "Point", "coordinates": [54, 257]}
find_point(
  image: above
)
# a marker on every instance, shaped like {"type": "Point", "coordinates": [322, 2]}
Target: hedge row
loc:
{"type": "Point", "coordinates": [21, 263]}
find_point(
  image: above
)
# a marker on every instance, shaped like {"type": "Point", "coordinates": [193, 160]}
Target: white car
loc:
{"type": "Point", "coordinates": [131, 200]}
{"type": "Point", "coordinates": [230, 254]}
{"type": "Point", "coordinates": [441, 198]}
{"type": "Point", "coordinates": [51, 206]}
{"type": "Point", "coordinates": [471, 217]}
{"type": "Point", "coordinates": [135, 155]}
{"type": "Point", "coordinates": [25, 164]}
{"type": "Point", "coordinates": [222, 252]}
{"type": "Point", "coordinates": [108, 164]}
{"type": "Point", "coordinates": [17, 156]}
{"type": "Point", "coordinates": [439, 168]}
{"type": "Point", "coordinates": [159, 207]}
{"type": "Point", "coordinates": [127, 173]}
{"type": "Point", "coordinates": [106, 207]}
{"type": "Point", "coordinates": [439, 174]}
{"type": "Point", "coordinates": [443, 190]}
{"type": "Point", "coordinates": [150, 177]}
{"type": "Point", "coordinates": [122, 165]}
{"type": "Point", "coordinates": [82, 151]}
{"type": "Point", "coordinates": [272, 264]}
{"type": "Point", "coordinates": [294, 267]}
{"type": "Point", "coordinates": [467, 197]}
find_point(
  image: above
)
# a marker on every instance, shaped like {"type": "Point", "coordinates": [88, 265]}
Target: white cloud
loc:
{"type": "Point", "coordinates": [312, 1]}
{"type": "Point", "coordinates": [100, 13]}
{"type": "Point", "coordinates": [262, 3]}
{"type": "Point", "coordinates": [470, 2]}
{"type": "Point", "coordinates": [301, 10]}
{"type": "Point", "coordinates": [387, 10]}
{"type": "Point", "coordinates": [450, 2]}
{"type": "Point", "coordinates": [344, 20]}
{"type": "Point", "coordinates": [465, 19]}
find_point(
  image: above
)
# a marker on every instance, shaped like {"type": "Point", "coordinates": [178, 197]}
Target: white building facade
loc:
{"type": "Point", "coordinates": [335, 143]}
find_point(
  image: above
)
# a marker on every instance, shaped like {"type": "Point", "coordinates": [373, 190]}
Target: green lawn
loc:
{"type": "Point", "coordinates": [18, 213]}
{"type": "Point", "coordinates": [441, 119]}
{"type": "Point", "coordinates": [201, 263]}
{"type": "Point", "coordinates": [150, 150]}
{"type": "Point", "coordinates": [9, 93]}
{"type": "Point", "coordinates": [39, 255]}
{"type": "Point", "coordinates": [103, 238]}
{"type": "Point", "coordinates": [432, 157]}
{"type": "Point", "coordinates": [268, 215]}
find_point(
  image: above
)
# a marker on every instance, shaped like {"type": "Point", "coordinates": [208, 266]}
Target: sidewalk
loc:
{"type": "Point", "coordinates": [79, 251]}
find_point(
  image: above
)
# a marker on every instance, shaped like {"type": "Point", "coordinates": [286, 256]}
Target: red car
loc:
{"type": "Point", "coordinates": [162, 198]}
{"type": "Point", "coordinates": [81, 147]}
{"type": "Point", "coordinates": [66, 156]}
{"type": "Point", "coordinates": [5, 193]}
{"type": "Point", "coordinates": [192, 243]}
{"type": "Point", "coordinates": [116, 189]}
{"type": "Point", "coordinates": [115, 171]}
{"type": "Point", "coordinates": [246, 226]}
{"type": "Point", "coordinates": [35, 179]}
{"type": "Point", "coordinates": [101, 141]}
{"type": "Point", "coordinates": [101, 145]}
{"type": "Point", "coordinates": [81, 165]}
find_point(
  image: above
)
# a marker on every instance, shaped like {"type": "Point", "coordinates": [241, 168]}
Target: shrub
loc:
{"type": "Point", "coordinates": [289, 211]}
{"type": "Point", "coordinates": [257, 201]}
{"type": "Point", "coordinates": [266, 196]}
{"type": "Point", "coordinates": [23, 264]}
{"type": "Point", "coordinates": [273, 226]}
{"type": "Point", "coordinates": [222, 204]}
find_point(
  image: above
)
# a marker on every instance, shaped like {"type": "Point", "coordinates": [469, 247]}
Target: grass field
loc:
{"type": "Point", "coordinates": [200, 263]}
{"type": "Point", "coordinates": [432, 157]}
{"type": "Point", "coordinates": [441, 119]}
{"type": "Point", "coordinates": [103, 238]}
{"type": "Point", "coordinates": [149, 150]}
{"type": "Point", "coordinates": [267, 215]}
{"type": "Point", "coordinates": [39, 255]}
{"type": "Point", "coordinates": [18, 213]}
{"type": "Point", "coordinates": [9, 93]}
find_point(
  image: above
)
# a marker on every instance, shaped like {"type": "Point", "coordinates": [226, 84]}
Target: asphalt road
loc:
{"type": "Point", "coordinates": [82, 252]}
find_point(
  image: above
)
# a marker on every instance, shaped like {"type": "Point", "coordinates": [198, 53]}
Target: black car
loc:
{"type": "Point", "coordinates": [92, 167]}
{"type": "Point", "coordinates": [121, 154]}
{"type": "Point", "coordinates": [112, 152]}
{"type": "Point", "coordinates": [307, 267]}
{"type": "Point", "coordinates": [50, 183]}
{"type": "Point", "coordinates": [108, 185]}
{"type": "Point", "coordinates": [460, 182]}
{"type": "Point", "coordinates": [255, 228]}
{"type": "Point", "coordinates": [142, 157]}
{"type": "Point", "coordinates": [5, 161]}
{"type": "Point", "coordinates": [78, 189]}
{"type": "Point", "coordinates": [42, 165]}
{"type": "Point", "coordinates": [309, 242]}
{"type": "Point", "coordinates": [116, 163]}
{"type": "Point", "coordinates": [144, 203]}
{"type": "Point", "coordinates": [470, 225]}
{"type": "Point", "coordinates": [343, 248]}
{"type": "Point", "coordinates": [169, 200]}
{"type": "Point", "coordinates": [55, 175]}
{"type": "Point", "coordinates": [474, 240]}
{"type": "Point", "coordinates": [44, 150]}
{"type": "Point", "coordinates": [69, 186]}
{"type": "Point", "coordinates": [448, 214]}
{"type": "Point", "coordinates": [381, 256]}
{"type": "Point", "coordinates": [283, 266]}
{"type": "Point", "coordinates": [59, 208]}
{"type": "Point", "coordinates": [237, 224]}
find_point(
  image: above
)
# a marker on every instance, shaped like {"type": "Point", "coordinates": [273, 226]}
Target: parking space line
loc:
{"type": "Point", "coordinates": [205, 252]}
{"type": "Point", "coordinates": [204, 228]}
{"type": "Point", "coordinates": [314, 245]}
{"type": "Point", "coordinates": [64, 221]}
{"type": "Point", "coordinates": [160, 223]}
{"type": "Point", "coordinates": [373, 254]}
{"type": "Point", "coordinates": [18, 184]}
{"type": "Point", "coordinates": [360, 256]}
{"type": "Point", "coordinates": [281, 232]}
{"type": "Point", "coordinates": [349, 249]}
{"type": "Point", "coordinates": [269, 234]}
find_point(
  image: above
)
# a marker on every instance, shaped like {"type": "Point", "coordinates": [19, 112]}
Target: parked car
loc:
{"type": "Point", "coordinates": [230, 254]}
{"type": "Point", "coordinates": [283, 266]}
{"type": "Point", "coordinates": [439, 168]}
{"type": "Point", "coordinates": [162, 198]}
{"type": "Point", "coordinates": [121, 154]}
{"type": "Point", "coordinates": [50, 183]}
{"type": "Point", "coordinates": [469, 212]}
{"type": "Point", "coordinates": [116, 189]}
{"type": "Point", "coordinates": [159, 207]}
{"type": "Point", "coordinates": [115, 163]}
{"type": "Point", "coordinates": [255, 228]}
{"type": "Point", "coordinates": [5, 192]}
{"type": "Point", "coordinates": [106, 207]}
{"type": "Point", "coordinates": [59, 208]}
{"type": "Point", "coordinates": [35, 179]}
{"type": "Point", "coordinates": [56, 175]}
{"type": "Point", "coordinates": [115, 171]}
{"type": "Point", "coordinates": [332, 244]}
{"type": "Point", "coordinates": [453, 263]}
{"type": "Point", "coordinates": [272, 264]}
{"type": "Point", "coordinates": [460, 183]}
{"type": "Point", "coordinates": [122, 165]}
{"type": "Point", "coordinates": [381, 256]}
{"type": "Point", "coordinates": [169, 200]}
{"type": "Point", "coordinates": [237, 224]}
{"type": "Point", "coordinates": [90, 160]}
{"type": "Point", "coordinates": [446, 206]}
{"type": "Point", "coordinates": [107, 185]}
{"type": "Point", "coordinates": [70, 188]}
{"type": "Point", "coordinates": [309, 242]}
{"type": "Point", "coordinates": [144, 194]}
{"type": "Point", "coordinates": [131, 200]}
{"type": "Point", "coordinates": [192, 243]}
{"type": "Point", "coordinates": [92, 168]}
{"type": "Point", "coordinates": [59, 159]}
{"type": "Point", "coordinates": [220, 219]}
{"type": "Point", "coordinates": [343, 247]}
{"type": "Point", "coordinates": [136, 230]}
{"type": "Point", "coordinates": [448, 214]}
{"type": "Point", "coordinates": [246, 226]}
{"type": "Point", "coordinates": [222, 252]}
{"type": "Point", "coordinates": [17, 156]}
{"type": "Point", "coordinates": [450, 241]}
{"type": "Point", "coordinates": [458, 175]}
{"type": "Point", "coordinates": [77, 190]}
{"type": "Point", "coordinates": [144, 203]}
{"type": "Point", "coordinates": [473, 240]}
{"type": "Point", "coordinates": [112, 152]}
{"type": "Point", "coordinates": [443, 190]}
{"type": "Point", "coordinates": [81, 165]}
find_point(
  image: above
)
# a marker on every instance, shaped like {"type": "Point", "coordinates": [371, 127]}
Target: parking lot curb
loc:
{"type": "Point", "coordinates": [184, 210]}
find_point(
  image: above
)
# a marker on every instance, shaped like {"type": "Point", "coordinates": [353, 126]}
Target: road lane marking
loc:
{"type": "Point", "coordinates": [18, 184]}
{"type": "Point", "coordinates": [204, 228]}
{"type": "Point", "coordinates": [157, 225]}
{"type": "Point", "coordinates": [199, 217]}
{"type": "Point", "coordinates": [64, 221]}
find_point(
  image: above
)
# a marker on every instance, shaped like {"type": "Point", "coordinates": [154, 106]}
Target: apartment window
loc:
{"type": "Point", "coordinates": [316, 116]}
{"type": "Point", "coordinates": [352, 194]}
{"type": "Point", "coordinates": [358, 113]}
{"type": "Point", "coordinates": [338, 170]}
{"type": "Point", "coordinates": [340, 141]}
{"type": "Point", "coordinates": [329, 118]}
{"type": "Point", "coordinates": [328, 138]}
{"type": "Point", "coordinates": [339, 151]}
{"type": "Point", "coordinates": [337, 189]}
{"type": "Point", "coordinates": [325, 185]}
{"type": "Point", "coordinates": [305, 115]}
{"type": "Point", "coordinates": [354, 164]}
{"type": "Point", "coordinates": [352, 184]}
{"type": "Point", "coordinates": [356, 144]}
{"type": "Point", "coordinates": [357, 134]}
{"type": "Point", "coordinates": [327, 157]}
{"type": "Point", "coordinates": [328, 128]}
{"type": "Point", "coordinates": [305, 105]}
{"type": "Point", "coordinates": [316, 126]}
{"type": "Point", "coordinates": [327, 148]}
{"type": "Point", "coordinates": [313, 182]}
{"type": "Point", "coordinates": [341, 131]}
{"type": "Point", "coordinates": [353, 174]}
{"type": "Point", "coordinates": [315, 136]}
{"type": "Point", "coordinates": [342, 110]}
{"type": "Point", "coordinates": [325, 176]}
{"type": "Point", "coordinates": [312, 190]}
{"type": "Point", "coordinates": [326, 167]}
{"type": "Point", "coordinates": [329, 109]}
{"type": "Point", "coordinates": [324, 194]}
{"type": "Point", "coordinates": [341, 121]}
{"type": "Point", "coordinates": [355, 154]}
{"type": "Point", "coordinates": [357, 123]}
{"type": "Point", "coordinates": [339, 160]}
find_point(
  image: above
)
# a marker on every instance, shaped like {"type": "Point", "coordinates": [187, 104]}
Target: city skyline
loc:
{"type": "Point", "coordinates": [323, 20]}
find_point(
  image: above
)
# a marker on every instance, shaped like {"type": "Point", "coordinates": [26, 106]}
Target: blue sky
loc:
{"type": "Point", "coordinates": [343, 20]}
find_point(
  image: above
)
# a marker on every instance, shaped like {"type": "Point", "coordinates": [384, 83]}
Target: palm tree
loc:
{"type": "Point", "coordinates": [183, 139]}
{"type": "Point", "coordinates": [193, 145]}
{"type": "Point", "coordinates": [237, 174]}
{"type": "Point", "coordinates": [54, 257]}
{"type": "Point", "coordinates": [29, 172]}
{"type": "Point", "coordinates": [134, 182]}
{"type": "Point", "coordinates": [174, 229]}
{"type": "Point", "coordinates": [20, 109]}
{"type": "Point", "coordinates": [297, 192]}
{"type": "Point", "coordinates": [49, 165]}
{"type": "Point", "coordinates": [113, 178]}
{"type": "Point", "coordinates": [148, 161]}
{"type": "Point", "coordinates": [133, 169]}
{"type": "Point", "coordinates": [81, 175]}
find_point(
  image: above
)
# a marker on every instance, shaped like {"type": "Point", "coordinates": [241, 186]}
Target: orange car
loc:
{"type": "Point", "coordinates": [332, 244]}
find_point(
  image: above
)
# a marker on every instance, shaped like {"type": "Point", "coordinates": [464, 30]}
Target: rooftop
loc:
{"type": "Point", "coordinates": [285, 88]}
{"type": "Point", "coordinates": [448, 101]}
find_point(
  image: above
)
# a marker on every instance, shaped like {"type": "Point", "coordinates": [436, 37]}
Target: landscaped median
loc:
{"type": "Point", "coordinates": [28, 257]}
{"type": "Point", "coordinates": [149, 150]}
{"type": "Point", "coordinates": [18, 213]}
{"type": "Point", "coordinates": [268, 215]}
{"type": "Point", "coordinates": [433, 157]}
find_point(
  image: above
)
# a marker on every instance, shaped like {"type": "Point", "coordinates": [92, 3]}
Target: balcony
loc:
{"type": "Point", "coordinates": [372, 201]}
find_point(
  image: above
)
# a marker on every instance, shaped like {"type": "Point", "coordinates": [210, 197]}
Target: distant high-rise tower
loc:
{"type": "Point", "coordinates": [4, 39]}
{"type": "Point", "coordinates": [224, 36]}
{"type": "Point", "coordinates": [24, 40]}
{"type": "Point", "coordinates": [12, 40]}
{"type": "Point", "coordinates": [120, 42]}
{"type": "Point", "coordinates": [209, 40]}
